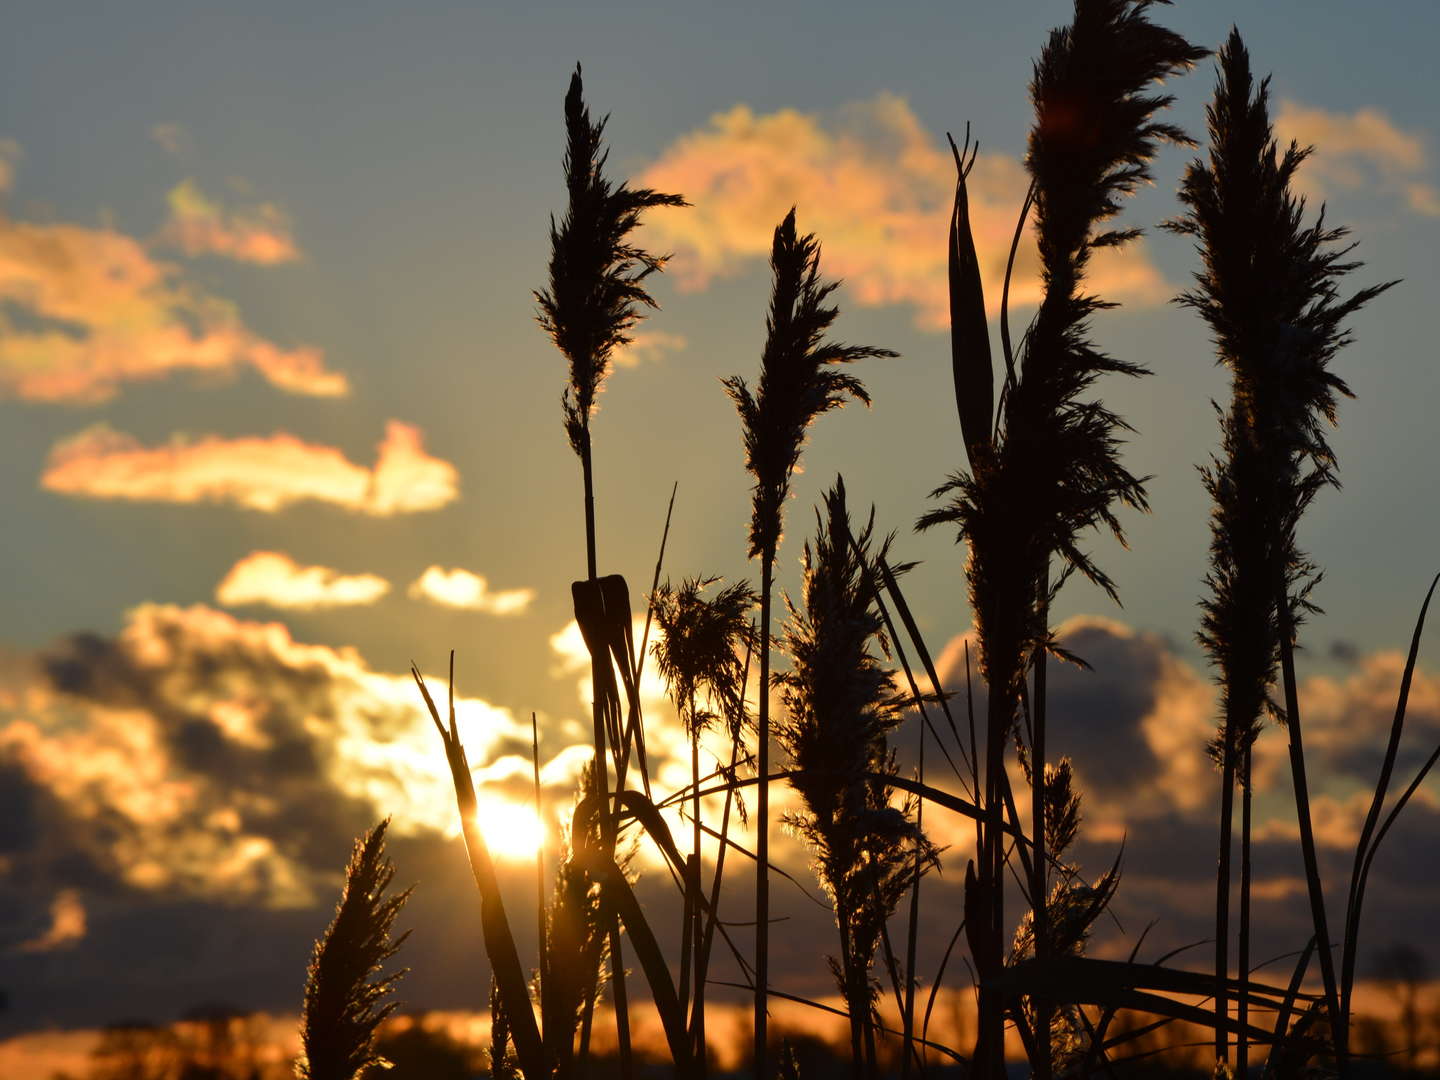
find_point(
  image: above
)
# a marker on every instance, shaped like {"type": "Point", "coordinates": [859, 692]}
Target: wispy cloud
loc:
{"type": "Point", "coordinates": [200, 224]}
{"type": "Point", "coordinates": [876, 187]}
{"type": "Point", "coordinates": [264, 473]}
{"type": "Point", "coordinates": [1360, 150]}
{"type": "Point", "coordinates": [468, 591]}
{"type": "Point", "coordinates": [649, 346]}
{"type": "Point", "coordinates": [274, 579]}
{"type": "Point", "coordinates": [87, 309]}
{"type": "Point", "coordinates": [67, 924]}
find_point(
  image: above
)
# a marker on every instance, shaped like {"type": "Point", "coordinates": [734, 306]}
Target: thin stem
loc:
{"type": "Point", "coordinates": [762, 814]}
{"type": "Point", "coordinates": [1222, 900]}
{"type": "Point", "coordinates": [1044, 1066]}
{"type": "Point", "coordinates": [1242, 1042]}
{"type": "Point", "coordinates": [586, 472]}
{"type": "Point", "coordinates": [1307, 833]}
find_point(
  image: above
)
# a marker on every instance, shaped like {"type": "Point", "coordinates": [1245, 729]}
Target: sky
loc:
{"type": "Point", "coordinates": [276, 420]}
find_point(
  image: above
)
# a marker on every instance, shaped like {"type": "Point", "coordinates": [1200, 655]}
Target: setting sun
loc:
{"type": "Point", "coordinates": [511, 830]}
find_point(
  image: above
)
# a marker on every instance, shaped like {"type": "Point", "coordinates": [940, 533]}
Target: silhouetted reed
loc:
{"type": "Point", "coordinates": [703, 653]}
{"type": "Point", "coordinates": [1268, 290]}
{"type": "Point", "coordinates": [798, 382]}
{"type": "Point", "coordinates": [346, 992]}
{"type": "Point", "coordinates": [840, 703]}
{"type": "Point", "coordinates": [596, 278]}
{"type": "Point", "coordinates": [596, 289]}
{"type": "Point", "coordinates": [1052, 470]}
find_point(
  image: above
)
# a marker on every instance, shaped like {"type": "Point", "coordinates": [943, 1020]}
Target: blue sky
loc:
{"type": "Point", "coordinates": [402, 168]}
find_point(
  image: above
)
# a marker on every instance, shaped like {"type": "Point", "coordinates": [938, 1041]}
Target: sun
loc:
{"type": "Point", "coordinates": [511, 830]}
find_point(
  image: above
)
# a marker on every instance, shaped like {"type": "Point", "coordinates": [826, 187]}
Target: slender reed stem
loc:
{"type": "Point", "coordinates": [1222, 905]}
{"type": "Point", "coordinates": [762, 819]}
{"type": "Point", "coordinates": [1307, 833]}
{"type": "Point", "coordinates": [1242, 1042]}
{"type": "Point", "coordinates": [1039, 887]}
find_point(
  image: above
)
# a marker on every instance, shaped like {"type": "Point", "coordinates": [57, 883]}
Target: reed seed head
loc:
{"type": "Point", "coordinates": [798, 380]}
{"type": "Point", "coordinates": [597, 276]}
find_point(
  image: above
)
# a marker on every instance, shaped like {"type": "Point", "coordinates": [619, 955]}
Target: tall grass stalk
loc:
{"type": "Point", "coordinates": [1052, 470]}
{"type": "Point", "coordinates": [702, 653]}
{"type": "Point", "coordinates": [798, 382]}
{"type": "Point", "coordinates": [346, 993]}
{"type": "Point", "coordinates": [840, 703]}
{"type": "Point", "coordinates": [597, 285]}
{"type": "Point", "coordinates": [1268, 292]}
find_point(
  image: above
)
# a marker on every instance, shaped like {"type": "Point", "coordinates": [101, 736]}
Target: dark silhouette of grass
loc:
{"type": "Point", "coordinates": [1044, 469]}
{"type": "Point", "coordinates": [1052, 471]}
{"type": "Point", "coordinates": [840, 704]}
{"type": "Point", "coordinates": [1268, 291]}
{"type": "Point", "coordinates": [346, 995]}
{"type": "Point", "coordinates": [596, 278]}
{"type": "Point", "coordinates": [798, 382]}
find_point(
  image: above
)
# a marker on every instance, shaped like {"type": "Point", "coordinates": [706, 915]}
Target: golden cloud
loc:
{"type": "Point", "coordinates": [99, 310]}
{"type": "Point", "coordinates": [67, 924]}
{"type": "Point", "coordinates": [649, 346]}
{"type": "Point", "coordinates": [468, 591]}
{"type": "Point", "coordinates": [1363, 149]}
{"type": "Point", "coordinates": [275, 579]}
{"type": "Point", "coordinates": [201, 225]}
{"type": "Point", "coordinates": [876, 188]}
{"type": "Point", "coordinates": [264, 473]}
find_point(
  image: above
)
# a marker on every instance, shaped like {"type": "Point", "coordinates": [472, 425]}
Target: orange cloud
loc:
{"type": "Point", "coordinates": [461, 589]}
{"type": "Point", "coordinates": [67, 924]}
{"type": "Point", "coordinates": [257, 472]}
{"type": "Point", "coordinates": [1363, 149]}
{"type": "Point", "coordinates": [648, 346]}
{"type": "Point", "coordinates": [99, 311]}
{"type": "Point", "coordinates": [201, 225]}
{"type": "Point", "coordinates": [876, 187]}
{"type": "Point", "coordinates": [274, 579]}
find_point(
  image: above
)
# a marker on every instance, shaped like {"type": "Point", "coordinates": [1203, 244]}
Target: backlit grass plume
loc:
{"type": "Point", "coordinates": [798, 382]}
{"type": "Point", "coordinates": [701, 648]}
{"type": "Point", "coordinates": [596, 276]}
{"type": "Point", "coordinates": [1053, 471]}
{"type": "Point", "coordinates": [1268, 290]}
{"type": "Point", "coordinates": [840, 703]}
{"type": "Point", "coordinates": [345, 993]}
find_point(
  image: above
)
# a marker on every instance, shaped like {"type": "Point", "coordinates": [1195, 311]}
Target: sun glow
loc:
{"type": "Point", "coordinates": [511, 830]}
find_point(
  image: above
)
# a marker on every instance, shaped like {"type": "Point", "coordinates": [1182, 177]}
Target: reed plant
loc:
{"type": "Point", "coordinates": [703, 653]}
{"type": "Point", "coordinates": [1269, 292]}
{"type": "Point", "coordinates": [1051, 470]}
{"type": "Point", "coordinates": [798, 382]}
{"type": "Point", "coordinates": [840, 703]}
{"type": "Point", "coordinates": [347, 993]}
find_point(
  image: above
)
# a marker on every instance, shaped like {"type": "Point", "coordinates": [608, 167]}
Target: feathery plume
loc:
{"type": "Point", "coordinates": [596, 276]}
{"type": "Point", "coordinates": [797, 378]}
{"type": "Point", "coordinates": [345, 992]}
{"type": "Point", "coordinates": [701, 649]}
